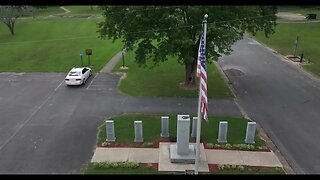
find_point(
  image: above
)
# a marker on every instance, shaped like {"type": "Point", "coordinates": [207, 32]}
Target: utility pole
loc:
{"type": "Point", "coordinates": [296, 42]}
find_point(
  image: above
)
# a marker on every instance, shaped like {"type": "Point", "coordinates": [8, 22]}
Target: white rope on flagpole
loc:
{"type": "Point", "coordinates": [199, 104]}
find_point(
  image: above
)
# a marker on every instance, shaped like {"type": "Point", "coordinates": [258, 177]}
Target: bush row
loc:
{"type": "Point", "coordinates": [107, 165]}
{"type": "Point", "coordinates": [237, 146]}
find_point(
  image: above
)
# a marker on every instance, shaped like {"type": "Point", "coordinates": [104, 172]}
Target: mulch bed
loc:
{"type": "Point", "coordinates": [213, 167]}
{"type": "Point", "coordinates": [155, 144]}
{"type": "Point", "coordinates": [158, 141]}
{"type": "Point", "coordinates": [150, 165]}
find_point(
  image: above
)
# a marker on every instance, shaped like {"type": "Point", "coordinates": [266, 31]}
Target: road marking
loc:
{"type": "Point", "coordinates": [58, 86]}
{"type": "Point", "coordinates": [92, 81]}
{"type": "Point", "coordinates": [26, 121]}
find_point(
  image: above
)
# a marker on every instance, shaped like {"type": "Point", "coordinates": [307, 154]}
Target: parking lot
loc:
{"type": "Point", "coordinates": [48, 127]}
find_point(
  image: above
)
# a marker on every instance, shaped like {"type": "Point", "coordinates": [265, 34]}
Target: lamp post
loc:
{"type": "Point", "coordinates": [296, 42]}
{"type": "Point", "coordinates": [81, 54]}
{"type": "Point", "coordinates": [123, 53]}
{"type": "Point", "coordinates": [123, 58]}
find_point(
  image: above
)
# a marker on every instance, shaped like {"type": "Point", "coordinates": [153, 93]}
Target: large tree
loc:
{"type": "Point", "coordinates": [9, 15]}
{"type": "Point", "coordinates": [159, 32]}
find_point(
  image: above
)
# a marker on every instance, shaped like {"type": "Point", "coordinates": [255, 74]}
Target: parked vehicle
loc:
{"type": "Point", "coordinates": [78, 76]}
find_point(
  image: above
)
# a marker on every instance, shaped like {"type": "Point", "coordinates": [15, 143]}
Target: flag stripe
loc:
{"type": "Point", "coordinates": [203, 77]}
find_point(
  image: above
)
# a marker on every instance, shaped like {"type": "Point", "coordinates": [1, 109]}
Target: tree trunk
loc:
{"type": "Point", "coordinates": [190, 70]}
{"type": "Point", "coordinates": [91, 8]}
{"type": "Point", "coordinates": [11, 28]}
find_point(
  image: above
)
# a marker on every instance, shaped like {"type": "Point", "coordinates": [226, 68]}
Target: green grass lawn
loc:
{"type": "Point", "coordinates": [285, 35]}
{"type": "Point", "coordinates": [164, 80]}
{"type": "Point", "coordinates": [84, 10]}
{"type": "Point", "coordinates": [91, 169]}
{"type": "Point", "coordinates": [124, 129]}
{"type": "Point", "coordinates": [53, 45]}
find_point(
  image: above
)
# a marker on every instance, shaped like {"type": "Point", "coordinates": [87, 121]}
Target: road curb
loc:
{"type": "Point", "coordinates": [261, 132]}
{"type": "Point", "coordinates": [228, 82]}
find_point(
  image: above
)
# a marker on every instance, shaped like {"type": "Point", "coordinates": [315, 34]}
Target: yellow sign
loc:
{"type": "Point", "coordinates": [88, 51]}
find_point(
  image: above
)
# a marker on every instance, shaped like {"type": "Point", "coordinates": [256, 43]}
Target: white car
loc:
{"type": "Point", "coordinates": [78, 76]}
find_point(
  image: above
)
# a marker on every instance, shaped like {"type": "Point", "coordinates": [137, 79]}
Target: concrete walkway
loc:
{"type": "Point", "coordinates": [113, 61]}
{"type": "Point", "coordinates": [207, 156]}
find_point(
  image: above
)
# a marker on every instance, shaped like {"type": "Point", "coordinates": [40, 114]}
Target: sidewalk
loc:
{"type": "Point", "coordinates": [207, 156]}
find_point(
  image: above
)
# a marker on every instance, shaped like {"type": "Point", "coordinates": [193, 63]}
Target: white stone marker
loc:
{"type": "Point", "coordinates": [223, 130]}
{"type": "Point", "coordinates": [164, 126]}
{"type": "Point", "coordinates": [182, 151]}
{"type": "Point", "coordinates": [251, 131]}
{"type": "Point", "coordinates": [194, 127]}
{"type": "Point", "coordinates": [138, 134]}
{"type": "Point", "coordinates": [183, 129]}
{"type": "Point", "coordinates": [110, 131]}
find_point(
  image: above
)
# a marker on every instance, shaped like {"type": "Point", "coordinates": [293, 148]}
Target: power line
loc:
{"type": "Point", "coordinates": [194, 25]}
{"type": "Point", "coordinates": [135, 32]}
{"type": "Point", "coordinates": [156, 8]}
{"type": "Point", "coordinates": [49, 40]}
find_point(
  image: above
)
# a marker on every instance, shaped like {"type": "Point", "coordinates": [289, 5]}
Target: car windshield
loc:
{"type": "Point", "coordinates": [74, 73]}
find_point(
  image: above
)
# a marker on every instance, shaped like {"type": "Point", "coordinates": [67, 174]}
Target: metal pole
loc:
{"type": "Point", "coordinates": [81, 61]}
{"type": "Point", "coordinates": [122, 58]}
{"type": "Point", "coordinates": [199, 104]}
{"type": "Point", "coordinates": [296, 45]}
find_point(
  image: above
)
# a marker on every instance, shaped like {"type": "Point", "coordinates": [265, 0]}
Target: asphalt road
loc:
{"type": "Point", "coordinates": [47, 127]}
{"type": "Point", "coordinates": [283, 99]}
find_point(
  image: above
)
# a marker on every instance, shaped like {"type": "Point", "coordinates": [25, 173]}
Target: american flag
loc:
{"type": "Point", "coordinates": [203, 77]}
{"type": "Point", "coordinates": [198, 60]}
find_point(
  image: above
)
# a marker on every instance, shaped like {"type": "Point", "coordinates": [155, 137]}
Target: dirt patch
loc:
{"type": "Point", "coordinates": [290, 16]}
{"type": "Point", "coordinates": [150, 165]}
{"type": "Point", "coordinates": [188, 86]}
{"type": "Point", "coordinates": [157, 142]}
{"type": "Point", "coordinates": [297, 59]}
{"type": "Point", "coordinates": [213, 167]}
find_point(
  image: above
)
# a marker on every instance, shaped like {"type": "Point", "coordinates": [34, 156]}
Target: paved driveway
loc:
{"type": "Point", "coordinates": [47, 127]}
{"type": "Point", "coordinates": [282, 98]}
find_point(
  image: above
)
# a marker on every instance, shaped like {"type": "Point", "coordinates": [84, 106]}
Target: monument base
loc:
{"type": "Point", "coordinates": [182, 158]}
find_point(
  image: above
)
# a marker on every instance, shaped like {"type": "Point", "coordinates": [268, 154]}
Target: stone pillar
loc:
{"type": "Point", "coordinates": [183, 130]}
{"type": "Point", "coordinates": [251, 131]}
{"type": "Point", "coordinates": [138, 134]}
{"type": "Point", "coordinates": [182, 151]}
{"type": "Point", "coordinates": [223, 130]}
{"type": "Point", "coordinates": [164, 126]}
{"type": "Point", "coordinates": [110, 131]}
{"type": "Point", "coordinates": [194, 127]}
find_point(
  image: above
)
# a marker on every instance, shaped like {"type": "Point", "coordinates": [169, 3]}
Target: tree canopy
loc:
{"type": "Point", "coordinates": [9, 15]}
{"type": "Point", "coordinates": [159, 31]}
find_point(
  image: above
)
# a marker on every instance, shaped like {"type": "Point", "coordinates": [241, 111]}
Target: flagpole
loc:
{"type": "Point", "coordinates": [199, 111]}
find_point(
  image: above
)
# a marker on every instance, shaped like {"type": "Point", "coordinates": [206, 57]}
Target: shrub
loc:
{"type": "Point", "coordinates": [217, 145]}
{"type": "Point", "coordinates": [241, 168]}
{"type": "Point", "coordinates": [147, 144]}
{"type": "Point", "coordinates": [107, 165]}
{"type": "Point", "coordinates": [228, 146]}
{"type": "Point", "coordinates": [220, 166]}
{"type": "Point", "coordinates": [262, 147]}
{"type": "Point", "coordinates": [210, 145]}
